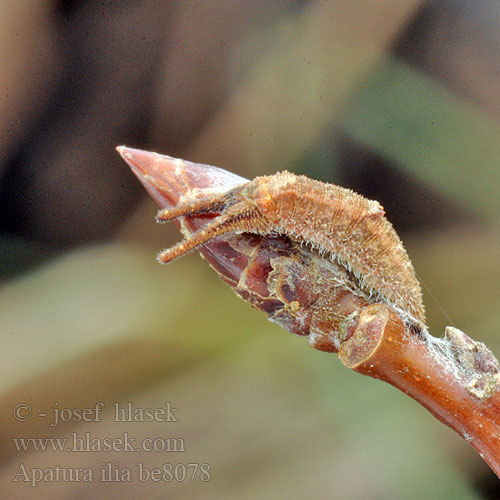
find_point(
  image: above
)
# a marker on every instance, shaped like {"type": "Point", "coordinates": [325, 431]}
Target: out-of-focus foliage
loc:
{"type": "Point", "coordinates": [398, 100]}
{"type": "Point", "coordinates": [430, 135]}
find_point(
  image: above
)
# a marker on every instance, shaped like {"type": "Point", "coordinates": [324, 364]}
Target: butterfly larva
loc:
{"type": "Point", "coordinates": [334, 220]}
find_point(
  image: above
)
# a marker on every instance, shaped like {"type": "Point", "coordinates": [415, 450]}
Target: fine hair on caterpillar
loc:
{"type": "Point", "coordinates": [331, 219]}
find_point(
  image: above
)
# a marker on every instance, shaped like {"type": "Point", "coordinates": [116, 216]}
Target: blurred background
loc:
{"type": "Point", "coordinates": [398, 100]}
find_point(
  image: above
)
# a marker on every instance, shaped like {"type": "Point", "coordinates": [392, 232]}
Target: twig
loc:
{"type": "Point", "coordinates": [455, 378]}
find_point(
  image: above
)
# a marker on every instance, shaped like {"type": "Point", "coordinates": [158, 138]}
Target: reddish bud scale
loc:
{"type": "Point", "coordinates": [295, 287]}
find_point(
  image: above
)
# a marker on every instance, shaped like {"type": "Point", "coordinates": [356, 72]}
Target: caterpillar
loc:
{"type": "Point", "coordinates": [335, 221]}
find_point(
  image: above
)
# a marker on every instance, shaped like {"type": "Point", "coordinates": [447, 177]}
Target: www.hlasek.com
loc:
{"type": "Point", "coordinates": [87, 443]}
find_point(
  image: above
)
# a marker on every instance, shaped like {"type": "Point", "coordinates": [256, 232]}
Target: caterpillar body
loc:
{"type": "Point", "coordinates": [335, 221]}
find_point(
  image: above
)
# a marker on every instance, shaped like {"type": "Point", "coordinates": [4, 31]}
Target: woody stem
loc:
{"type": "Point", "coordinates": [466, 398]}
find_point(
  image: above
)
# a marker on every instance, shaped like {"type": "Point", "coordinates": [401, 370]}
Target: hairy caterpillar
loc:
{"type": "Point", "coordinates": [336, 221]}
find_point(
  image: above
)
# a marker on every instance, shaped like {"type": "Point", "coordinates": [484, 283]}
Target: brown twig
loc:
{"type": "Point", "coordinates": [454, 377]}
